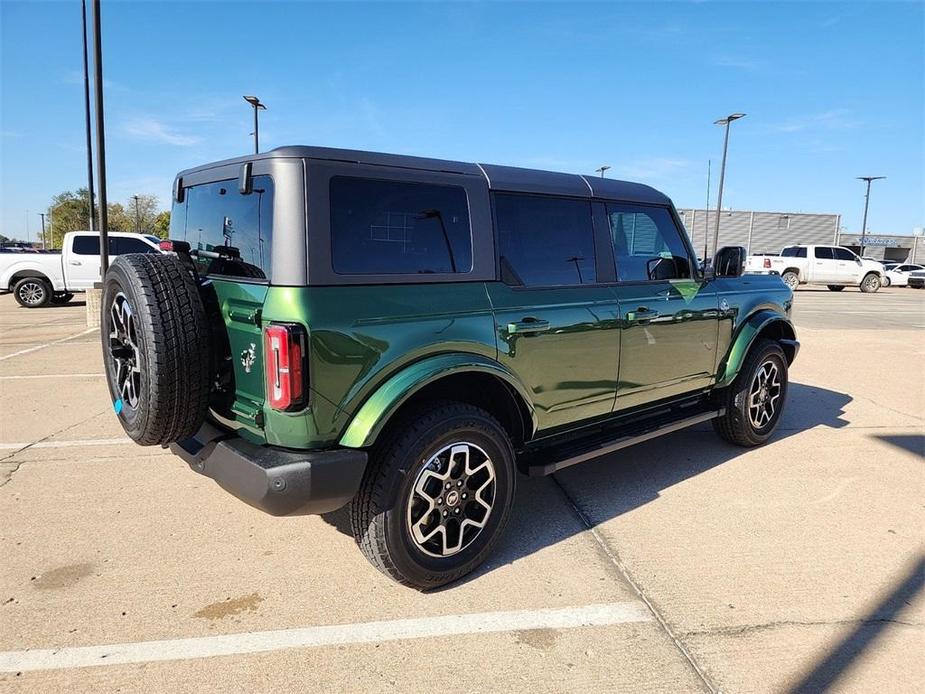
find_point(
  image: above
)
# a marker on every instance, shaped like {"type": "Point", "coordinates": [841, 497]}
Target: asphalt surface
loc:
{"type": "Point", "coordinates": [683, 564]}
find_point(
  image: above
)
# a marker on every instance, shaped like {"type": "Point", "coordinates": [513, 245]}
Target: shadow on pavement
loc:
{"type": "Point", "coordinates": [641, 473]}
{"type": "Point", "coordinates": [830, 667]}
{"type": "Point", "coordinates": [914, 443]}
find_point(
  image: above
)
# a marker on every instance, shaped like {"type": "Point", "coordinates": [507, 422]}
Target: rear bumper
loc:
{"type": "Point", "coordinates": [279, 481]}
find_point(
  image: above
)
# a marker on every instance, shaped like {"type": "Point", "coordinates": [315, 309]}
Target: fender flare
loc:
{"type": "Point", "coordinates": [371, 418]}
{"type": "Point", "coordinates": [745, 336]}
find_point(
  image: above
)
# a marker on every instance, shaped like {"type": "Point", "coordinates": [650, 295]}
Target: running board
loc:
{"type": "Point", "coordinates": [643, 432]}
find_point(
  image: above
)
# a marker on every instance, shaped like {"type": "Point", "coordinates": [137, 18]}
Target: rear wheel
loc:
{"type": "Point", "coordinates": [436, 495]}
{"type": "Point", "coordinates": [755, 399]}
{"type": "Point", "coordinates": [32, 292]}
{"type": "Point", "coordinates": [836, 287]}
{"type": "Point", "coordinates": [791, 279]}
{"type": "Point", "coordinates": [870, 283]}
{"type": "Point", "coordinates": [155, 348]}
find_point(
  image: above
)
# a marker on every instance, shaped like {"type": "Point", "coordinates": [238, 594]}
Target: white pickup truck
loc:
{"type": "Point", "coordinates": [832, 266]}
{"type": "Point", "coordinates": [37, 279]}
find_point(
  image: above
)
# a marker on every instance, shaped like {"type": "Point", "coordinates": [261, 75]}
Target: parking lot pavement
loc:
{"type": "Point", "coordinates": [683, 564]}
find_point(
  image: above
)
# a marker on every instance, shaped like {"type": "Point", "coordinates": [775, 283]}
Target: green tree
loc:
{"type": "Point", "coordinates": [161, 227]}
{"type": "Point", "coordinates": [70, 211]}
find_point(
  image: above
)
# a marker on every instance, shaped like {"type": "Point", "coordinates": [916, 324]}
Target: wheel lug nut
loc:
{"type": "Point", "coordinates": [440, 500]}
{"type": "Point", "coordinates": [447, 485]}
{"type": "Point", "coordinates": [456, 511]}
{"type": "Point", "coordinates": [465, 496]}
{"type": "Point", "coordinates": [459, 483]}
{"type": "Point", "coordinates": [445, 513]}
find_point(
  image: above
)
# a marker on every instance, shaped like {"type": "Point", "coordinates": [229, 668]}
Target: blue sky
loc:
{"type": "Point", "coordinates": [832, 91]}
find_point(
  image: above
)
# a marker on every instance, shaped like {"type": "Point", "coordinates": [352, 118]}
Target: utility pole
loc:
{"type": "Point", "coordinates": [83, 15]}
{"type": "Point", "coordinates": [42, 215]}
{"type": "Point", "coordinates": [866, 204]}
{"type": "Point", "coordinates": [255, 102]}
{"type": "Point", "coordinates": [722, 173]}
{"type": "Point", "coordinates": [137, 216]}
{"type": "Point", "coordinates": [706, 222]}
{"type": "Point", "coordinates": [100, 138]}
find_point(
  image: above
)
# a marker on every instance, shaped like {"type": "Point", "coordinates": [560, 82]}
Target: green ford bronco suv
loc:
{"type": "Point", "coordinates": [407, 335]}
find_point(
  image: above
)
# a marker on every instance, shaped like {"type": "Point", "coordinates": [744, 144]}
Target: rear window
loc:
{"type": "Point", "coordinates": [394, 227]}
{"type": "Point", "coordinates": [794, 252]}
{"type": "Point", "coordinates": [234, 232]}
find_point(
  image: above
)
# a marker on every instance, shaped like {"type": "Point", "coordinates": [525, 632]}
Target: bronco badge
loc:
{"type": "Point", "coordinates": [248, 357]}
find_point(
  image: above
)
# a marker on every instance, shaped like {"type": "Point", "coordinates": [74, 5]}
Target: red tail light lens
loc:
{"type": "Point", "coordinates": [284, 354]}
{"type": "Point", "coordinates": [166, 245]}
{"type": "Point", "coordinates": [767, 263]}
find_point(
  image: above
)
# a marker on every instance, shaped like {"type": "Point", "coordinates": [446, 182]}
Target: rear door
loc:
{"type": "Point", "coordinates": [556, 322]}
{"type": "Point", "coordinates": [668, 315]}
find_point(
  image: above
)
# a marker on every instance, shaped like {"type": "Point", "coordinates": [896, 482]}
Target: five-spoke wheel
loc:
{"type": "Point", "coordinates": [764, 394]}
{"type": "Point", "coordinates": [123, 350]}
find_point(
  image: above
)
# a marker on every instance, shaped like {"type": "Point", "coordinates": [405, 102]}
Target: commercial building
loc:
{"type": "Point", "coordinates": [880, 246]}
{"type": "Point", "coordinates": [759, 232]}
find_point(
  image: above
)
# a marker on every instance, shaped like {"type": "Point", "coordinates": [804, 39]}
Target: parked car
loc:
{"type": "Point", "coordinates": [898, 276]}
{"type": "Point", "coordinates": [832, 266]}
{"type": "Point", "coordinates": [37, 279]}
{"type": "Point", "coordinates": [916, 279]}
{"type": "Point", "coordinates": [403, 335]}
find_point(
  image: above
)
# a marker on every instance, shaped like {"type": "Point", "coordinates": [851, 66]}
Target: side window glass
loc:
{"type": "Point", "coordinates": [231, 232]}
{"type": "Point", "coordinates": [87, 245]}
{"type": "Point", "coordinates": [126, 245]}
{"type": "Point", "coordinates": [646, 243]}
{"type": "Point", "coordinates": [823, 252]}
{"type": "Point", "coordinates": [397, 227]}
{"type": "Point", "coordinates": [844, 254]}
{"type": "Point", "coordinates": [545, 241]}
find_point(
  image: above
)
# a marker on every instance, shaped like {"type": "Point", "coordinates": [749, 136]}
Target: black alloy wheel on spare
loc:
{"type": "Point", "coordinates": [156, 348]}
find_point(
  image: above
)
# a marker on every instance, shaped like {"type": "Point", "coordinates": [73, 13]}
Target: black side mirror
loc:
{"type": "Point", "coordinates": [245, 179]}
{"type": "Point", "coordinates": [729, 261]}
{"type": "Point", "coordinates": [178, 194]}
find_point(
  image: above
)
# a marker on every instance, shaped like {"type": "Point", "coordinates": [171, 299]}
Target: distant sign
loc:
{"type": "Point", "coordinates": [884, 241]}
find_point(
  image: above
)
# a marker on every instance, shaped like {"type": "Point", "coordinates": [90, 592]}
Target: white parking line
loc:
{"type": "Point", "coordinates": [65, 444]}
{"type": "Point", "coordinates": [24, 378]}
{"type": "Point", "coordinates": [47, 344]}
{"type": "Point", "coordinates": [313, 637]}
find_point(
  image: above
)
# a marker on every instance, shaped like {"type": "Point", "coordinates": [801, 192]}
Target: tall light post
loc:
{"type": "Point", "coordinates": [255, 102]}
{"type": "Point", "coordinates": [137, 216]}
{"type": "Point", "coordinates": [866, 204]}
{"type": "Point", "coordinates": [100, 137]}
{"type": "Point", "coordinates": [602, 170]}
{"type": "Point", "coordinates": [92, 211]}
{"type": "Point", "coordinates": [722, 173]}
{"type": "Point", "coordinates": [42, 215]}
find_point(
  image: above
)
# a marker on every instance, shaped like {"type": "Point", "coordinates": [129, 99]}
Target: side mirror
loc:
{"type": "Point", "coordinates": [729, 261]}
{"type": "Point", "coordinates": [178, 189]}
{"type": "Point", "coordinates": [245, 179]}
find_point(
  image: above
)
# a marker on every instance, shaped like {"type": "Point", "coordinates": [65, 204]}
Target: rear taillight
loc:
{"type": "Point", "coordinates": [767, 263]}
{"type": "Point", "coordinates": [284, 354]}
{"type": "Point", "coordinates": [166, 245]}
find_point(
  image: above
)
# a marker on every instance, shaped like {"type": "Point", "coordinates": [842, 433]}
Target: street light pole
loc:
{"type": "Point", "coordinates": [722, 173]}
{"type": "Point", "coordinates": [137, 218]}
{"type": "Point", "coordinates": [602, 170]}
{"type": "Point", "coordinates": [706, 221]}
{"type": "Point", "coordinates": [42, 215]}
{"type": "Point", "coordinates": [255, 102]}
{"type": "Point", "coordinates": [866, 203]}
{"type": "Point", "coordinates": [83, 14]}
{"type": "Point", "coordinates": [100, 137]}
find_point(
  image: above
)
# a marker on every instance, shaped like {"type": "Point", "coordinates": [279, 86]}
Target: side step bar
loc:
{"type": "Point", "coordinates": [623, 439]}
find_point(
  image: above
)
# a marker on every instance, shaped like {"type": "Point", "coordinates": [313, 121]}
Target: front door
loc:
{"type": "Point", "coordinates": [557, 327]}
{"type": "Point", "coordinates": [668, 318]}
{"type": "Point", "coordinates": [825, 267]}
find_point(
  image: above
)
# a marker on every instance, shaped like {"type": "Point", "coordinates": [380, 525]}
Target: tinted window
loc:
{"type": "Point", "coordinates": [393, 227]}
{"type": "Point", "coordinates": [87, 245]}
{"type": "Point", "coordinates": [794, 252]}
{"type": "Point", "coordinates": [237, 228]}
{"type": "Point", "coordinates": [545, 241]}
{"type": "Point", "coordinates": [122, 245]}
{"type": "Point", "coordinates": [823, 252]}
{"type": "Point", "coordinates": [646, 243]}
{"type": "Point", "coordinates": [844, 254]}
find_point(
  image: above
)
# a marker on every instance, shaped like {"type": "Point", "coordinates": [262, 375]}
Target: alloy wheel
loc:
{"type": "Point", "coordinates": [764, 394]}
{"type": "Point", "coordinates": [32, 293]}
{"type": "Point", "coordinates": [451, 499]}
{"type": "Point", "coordinates": [123, 348]}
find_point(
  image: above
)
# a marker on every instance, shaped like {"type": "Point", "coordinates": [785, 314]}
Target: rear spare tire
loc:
{"type": "Point", "coordinates": [156, 348]}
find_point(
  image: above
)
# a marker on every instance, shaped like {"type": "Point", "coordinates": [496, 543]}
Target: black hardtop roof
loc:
{"type": "Point", "coordinates": [501, 178]}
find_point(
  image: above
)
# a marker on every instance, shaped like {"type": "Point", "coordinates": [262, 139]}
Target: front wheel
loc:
{"type": "Point", "coordinates": [32, 292]}
{"type": "Point", "coordinates": [436, 495]}
{"type": "Point", "coordinates": [870, 284]}
{"type": "Point", "coordinates": [755, 399]}
{"type": "Point", "coordinates": [835, 287]}
{"type": "Point", "coordinates": [886, 281]}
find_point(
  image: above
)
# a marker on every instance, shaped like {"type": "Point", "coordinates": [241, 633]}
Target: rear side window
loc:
{"type": "Point", "coordinates": [122, 245]}
{"type": "Point", "coordinates": [545, 241]}
{"type": "Point", "coordinates": [647, 244]}
{"type": "Point", "coordinates": [823, 252]}
{"type": "Point", "coordinates": [232, 232]}
{"type": "Point", "coordinates": [394, 227]}
{"type": "Point", "coordinates": [793, 252]}
{"type": "Point", "coordinates": [87, 245]}
{"type": "Point", "coordinates": [844, 254]}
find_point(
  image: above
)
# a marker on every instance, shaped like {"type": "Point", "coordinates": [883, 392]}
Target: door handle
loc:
{"type": "Point", "coordinates": [641, 314]}
{"type": "Point", "coordinates": [528, 325]}
{"type": "Point", "coordinates": [75, 262]}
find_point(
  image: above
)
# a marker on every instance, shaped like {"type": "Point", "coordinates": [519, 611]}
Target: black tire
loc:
{"type": "Point", "coordinates": [737, 424]}
{"type": "Point", "coordinates": [870, 283]}
{"type": "Point", "coordinates": [835, 287]}
{"type": "Point", "coordinates": [60, 298]}
{"type": "Point", "coordinates": [886, 281]}
{"type": "Point", "coordinates": [388, 503]}
{"type": "Point", "coordinates": [32, 292]}
{"type": "Point", "coordinates": [791, 279]}
{"type": "Point", "coordinates": [158, 363]}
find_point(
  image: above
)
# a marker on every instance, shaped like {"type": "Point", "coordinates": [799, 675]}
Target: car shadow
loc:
{"type": "Point", "coordinates": [641, 473]}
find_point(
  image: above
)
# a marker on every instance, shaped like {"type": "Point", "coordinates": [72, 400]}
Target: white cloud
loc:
{"type": "Point", "coordinates": [153, 130]}
{"type": "Point", "coordinates": [653, 168]}
{"type": "Point", "coordinates": [835, 119]}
